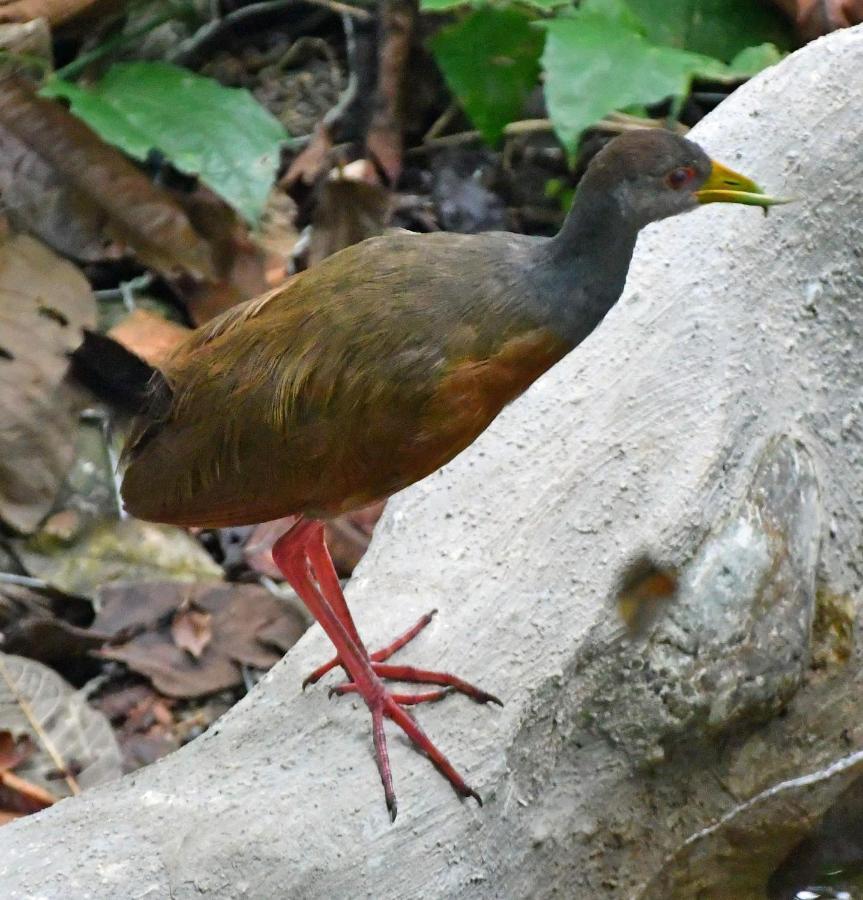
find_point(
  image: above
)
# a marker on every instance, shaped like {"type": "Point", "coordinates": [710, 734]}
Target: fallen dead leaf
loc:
{"type": "Point", "coordinates": [148, 335]}
{"type": "Point", "coordinates": [45, 302]}
{"type": "Point", "coordinates": [248, 626]}
{"type": "Point", "coordinates": [61, 181]}
{"type": "Point", "coordinates": [68, 733]}
{"type": "Point", "coordinates": [241, 263]}
{"type": "Point", "coordinates": [192, 630]}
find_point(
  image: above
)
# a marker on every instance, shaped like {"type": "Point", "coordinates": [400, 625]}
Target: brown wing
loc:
{"type": "Point", "coordinates": [346, 384]}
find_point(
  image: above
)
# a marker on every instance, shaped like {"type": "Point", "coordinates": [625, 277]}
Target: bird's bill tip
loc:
{"type": "Point", "coordinates": [724, 185]}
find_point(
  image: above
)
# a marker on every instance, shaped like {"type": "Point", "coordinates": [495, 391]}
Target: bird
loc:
{"type": "Point", "coordinates": [372, 369]}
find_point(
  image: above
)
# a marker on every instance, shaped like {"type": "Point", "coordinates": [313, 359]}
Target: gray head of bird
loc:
{"type": "Point", "coordinates": [652, 174]}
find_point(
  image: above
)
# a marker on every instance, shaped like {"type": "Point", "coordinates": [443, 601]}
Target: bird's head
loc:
{"type": "Point", "coordinates": [653, 174]}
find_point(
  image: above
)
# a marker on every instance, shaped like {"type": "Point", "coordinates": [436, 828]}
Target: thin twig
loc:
{"type": "Point", "coordinates": [47, 743]}
{"type": "Point", "coordinates": [441, 122]}
{"type": "Point", "coordinates": [23, 581]}
{"type": "Point", "coordinates": [209, 32]}
{"type": "Point", "coordinates": [102, 418]}
{"type": "Point", "coordinates": [613, 122]}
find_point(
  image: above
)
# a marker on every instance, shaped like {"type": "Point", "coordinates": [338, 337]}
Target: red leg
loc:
{"type": "Point", "coordinates": [291, 554]}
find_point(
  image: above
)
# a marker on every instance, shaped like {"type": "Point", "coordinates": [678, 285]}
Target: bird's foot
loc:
{"type": "Point", "coordinates": [384, 704]}
{"type": "Point", "coordinates": [409, 674]}
{"type": "Point", "coordinates": [379, 655]}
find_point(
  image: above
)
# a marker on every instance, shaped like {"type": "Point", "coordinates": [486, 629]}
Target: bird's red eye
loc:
{"type": "Point", "coordinates": [679, 177]}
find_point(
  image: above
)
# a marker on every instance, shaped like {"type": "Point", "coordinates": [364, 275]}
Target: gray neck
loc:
{"type": "Point", "coordinates": [583, 268]}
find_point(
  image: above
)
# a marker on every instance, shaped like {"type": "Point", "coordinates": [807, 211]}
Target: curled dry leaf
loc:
{"type": "Point", "coordinates": [247, 626]}
{"type": "Point", "coordinates": [148, 335]}
{"type": "Point", "coordinates": [45, 302]}
{"type": "Point", "coordinates": [68, 734]}
{"type": "Point", "coordinates": [64, 183]}
{"type": "Point", "coordinates": [240, 262]}
{"type": "Point", "coordinates": [192, 630]}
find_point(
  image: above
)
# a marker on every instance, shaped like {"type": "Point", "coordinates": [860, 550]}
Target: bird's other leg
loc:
{"type": "Point", "coordinates": [291, 555]}
{"type": "Point", "coordinates": [322, 565]}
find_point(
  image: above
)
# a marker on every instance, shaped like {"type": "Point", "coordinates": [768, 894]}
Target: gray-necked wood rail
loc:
{"type": "Point", "coordinates": [371, 370]}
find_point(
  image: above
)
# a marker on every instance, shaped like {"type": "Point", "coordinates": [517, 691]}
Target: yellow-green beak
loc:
{"type": "Point", "coordinates": [727, 186]}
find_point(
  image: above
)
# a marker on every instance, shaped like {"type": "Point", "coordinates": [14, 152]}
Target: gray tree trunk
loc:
{"type": "Point", "coordinates": [713, 421]}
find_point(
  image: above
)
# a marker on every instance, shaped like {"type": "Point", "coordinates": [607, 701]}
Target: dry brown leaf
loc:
{"type": "Point", "coordinates": [246, 624]}
{"type": "Point", "coordinates": [69, 734]}
{"type": "Point", "coordinates": [148, 335]}
{"type": "Point", "coordinates": [241, 263]}
{"type": "Point", "coordinates": [55, 11]}
{"type": "Point", "coordinates": [44, 304]}
{"type": "Point", "coordinates": [192, 630]}
{"type": "Point", "coordinates": [60, 180]}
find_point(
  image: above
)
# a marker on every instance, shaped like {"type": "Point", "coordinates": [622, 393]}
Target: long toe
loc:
{"type": "Point", "coordinates": [420, 740]}
{"type": "Point", "coordinates": [412, 675]}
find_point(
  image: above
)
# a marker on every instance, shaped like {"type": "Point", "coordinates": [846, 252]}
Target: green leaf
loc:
{"type": "Point", "coordinates": [613, 11]}
{"type": "Point", "coordinates": [752, 60]}
{"type": "Point", "coordinates": [718, 28]}
{"type": "Point", "coordinates": [594, 65]}
{"type": "Point", "coordinates": [440, 5]}
{"type": "Point", "coordinates": [221, 134]}
{"type": "Point", "coordinates": [491, 62]}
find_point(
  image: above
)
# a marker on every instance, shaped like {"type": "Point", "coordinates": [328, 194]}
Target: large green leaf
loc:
{"type": "Point", "coordinates": [718, 28]}
{"type": "Point", "coordinates": [221, 134]}
{"type": "Point", "coordinates": [490, 61]}
{"type": "Point", "coordinates": [594, 65]}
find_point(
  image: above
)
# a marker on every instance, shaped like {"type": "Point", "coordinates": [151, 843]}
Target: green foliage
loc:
{"type": "Point", "coordinates": [221, 134]}
{"type": "Point", "coordinates": [718, 28]}
{"type": "Point", "coordinates": [599, 56]}
{"type": "Point", "coordinates": [490, 60]}
{"type": "Point", "coordinates": [594, 66]}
